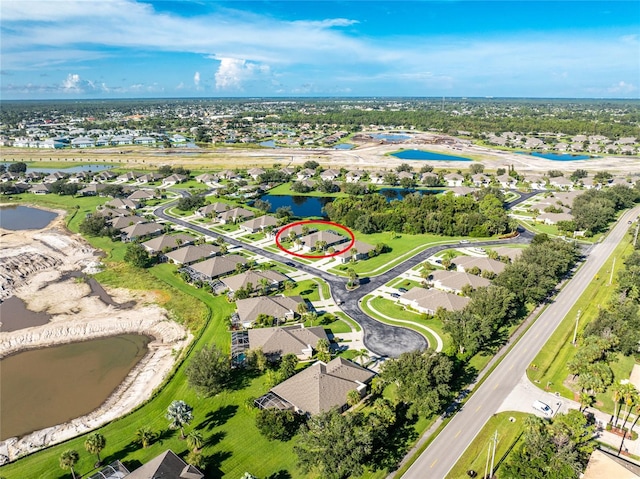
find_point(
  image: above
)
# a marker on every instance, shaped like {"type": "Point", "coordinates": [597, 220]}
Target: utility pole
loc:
{"type": "Point", "coordinates": [635, 236]}
{"type": "Point", "coordinates": [486, 466]}
{"type": "Point", "coordinates": [613, 266]}
{"type": "Point", "coordinates": [493, 455]}
{"type": "Point", "coordinates": [575, 332]}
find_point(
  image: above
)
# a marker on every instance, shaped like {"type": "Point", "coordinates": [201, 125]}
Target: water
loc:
{"type": "Point", "coordinates": [44, 387]}
{"type": "Point", "coordinates": [309, 206]}
{"type": "Point", "coordinates": [390, 137]}
{"type": "Point", "coordinates": [558, 156]}
{"type": "Point", "coordinates": [24, 218]}
{"type": "Point", "coordinates": [427, 155]}
{"type": "Point", "coordinates": [268, 144]}
{"type": "Point", "coordinates": [69, 170]}
{"type": "Point", "coordinates": [343, 146]}
{"type": "Point", "coordinates": [302, 206]}
{"type": "Point", "coordinates": [15, 315]}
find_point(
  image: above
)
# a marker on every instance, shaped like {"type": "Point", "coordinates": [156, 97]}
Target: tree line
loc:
{"type": "Point", "coordinates": [447, 215]}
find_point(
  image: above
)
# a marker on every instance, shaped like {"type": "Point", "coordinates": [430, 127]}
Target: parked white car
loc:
{"type": "Point", "coordinates": [543, 408]}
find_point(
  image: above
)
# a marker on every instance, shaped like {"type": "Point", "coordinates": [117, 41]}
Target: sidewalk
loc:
{"type": "Point", "coordinates": [525, 393]}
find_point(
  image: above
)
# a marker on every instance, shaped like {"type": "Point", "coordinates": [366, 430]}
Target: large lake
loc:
{"type": "Point", "coordinates": [557, 156]}
{"type": "Point", "coordinates": [309, 206]}
{"type": "Point", "coordinates": [24, 218]}
{"type": "Point", "coordinates": [427, 155]}
{"type": "Point", "coordinates": [44, 387]}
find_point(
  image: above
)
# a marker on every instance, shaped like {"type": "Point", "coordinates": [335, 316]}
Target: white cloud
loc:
{"type": "Point", "coordinates": [196, 79]}
{"type": "Point", "coordinates": [622, 87]}
{"type": "Point", "coordinates": [74, 84]}
{"type": "Point", "coordinates": [234, 72]}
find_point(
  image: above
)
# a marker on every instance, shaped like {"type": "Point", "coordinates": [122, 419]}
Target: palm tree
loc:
{"type": "Point", "coordinates": [637, 412]}
{"type": "Point", "coordinates": [447, 257]}
{"type": "Point", "coordinates": [630, 399]}
{"type": "Point", "coordinates": [361, 354]}
{"type": "Point", "coordinates": [264, 285]}
{"type": "Point", "coordinates": [302, 308]}
{"type": "Point", "coordinates": [180, 414]}
{"type": "Point", "coordinates": [195, 440]}
{"type": "Point", "coordinates": [94, 444]}
{"type": "Point", "coordinates": [617, 395]}
{"type": "Point", "coordinates": [352, 276]}
{"type": "Point", "coordinates": [144, 436]}
{"type": "Point", "coordinates": [68, 459]}
{"type": "Point", "coordinates": [586, 400]}
{"type": "Point", "coordinates": [354, 253]}
{"type": "Point", "coordinates": [627, 391]}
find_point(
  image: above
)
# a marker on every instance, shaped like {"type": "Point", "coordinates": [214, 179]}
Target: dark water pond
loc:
{"type": "Point", "coordinates": [44, 387]}
{"type": "Point", "coordinates": [427, 155]}
{"type": "Point", "coordinates": [24, 218]}
{"type": "Point", "coordinates": [558, 156]}
{"type": "Point", "coordinates": [307, 206]}
{"type": "Point", "coordinates": [15, 315]}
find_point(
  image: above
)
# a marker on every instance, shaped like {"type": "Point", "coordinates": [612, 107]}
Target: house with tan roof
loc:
{"type": "Point", "coordinates": [462, 190]}
{"type": "Point", "coordinates": [123, 203]}
{"type": "Point", "coordinates": [140, 230]}
{"type": "Point", "coordinates": [166, 243]}
{"type": "Point", "coordinates": [453, 179]}
{"type": "Point", "coordinates": [207, 178]}
{"type": "Point", "coordinates": [213, 209]}
{"type": "Point", "coordinates": [255, 173]}
{"type": "Point", "coordinates": [465, 263]}
{"type": "Point", "coordinates": [149, 177]}
{"type": "Point", "coordinates": [254, 278]}
{"type": "Point", "coordinates": [455, 281]}
{"type": "Point", "coordinates": [376, 177]}
{"type": "Point", "coordinates": [331, 238]}
{"type": "Point", "coordinates": [305, 174]}
{"type": "Point", "coordinates": [120, 222]}
{"type": "Point", "coordinates": [322, 387]}
{"type": "Point", "coordinates": [430, 300]}
{"type": "Point", "coordinates": [234, 215]}
{"type": "Point", "coordinates": [357, 252]}
{"type": "Point", "coordinates": [330, 174]}
{"type": "Point", "coordinates": [282, 308]}
{"type": "Point", "coordinates": [218, 266]}
{"type": "Point", "coordinates": [174, 179]}
{"type": "Point", "coordinates": [259, 223]}
{"type": "Point", "coordinates": [506, 252]}
{"type": "Point", "coordinates": [276, 342]}
{"type": "Point", "coordinates": [141, 195]}
{"type": "Point", "coordinates": [192, 253]}
{"type": "Point", "coordinates": [553, 218]}
{"type": "Point", "coordinates": [354, 176]}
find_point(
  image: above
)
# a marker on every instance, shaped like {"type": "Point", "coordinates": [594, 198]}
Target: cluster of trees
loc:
{"type": "Point", "coordinates": [97, 225]}
{"type": "Point", "coordinates": [167, 170]}
{"type": "Point", "coordinates": [415, 214]}
{"type": "Point", "coordinates": [94, 444]}
{"type": "Point", "coordinates": [209, 370]}
{"type": "Point", "coordinates": [552, 450]}
{"type": "Point", "coordinates": [190, 203]}
{"type": "Point", "coordinates": [594, 210]}
{"type": "Point", "coordinates": [529, 279]}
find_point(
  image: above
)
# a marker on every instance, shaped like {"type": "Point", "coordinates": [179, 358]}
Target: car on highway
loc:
{"type": "Point", "coordinates": [543, 408]}
{"type": "Point", "coordinates": [464, 241]}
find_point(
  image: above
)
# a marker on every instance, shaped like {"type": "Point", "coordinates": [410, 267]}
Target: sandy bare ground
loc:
{"type": "Point", "coordinates": [367, 155]}
{"type": "Point", "coordinates": [78, 316]}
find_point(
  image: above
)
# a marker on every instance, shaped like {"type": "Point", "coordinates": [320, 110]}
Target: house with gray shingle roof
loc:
{"type": "Point", "coordinates": [324, 386]}
{"type": "Point", "coordinates": [455, 281]}
{"type": "Point", "coordinates": [254, 278]}
{"type": "Point", "coordinates": [120, 222]}
{"type": "Point", "coordinates": [276, 342]}
{"type": "Point", "coordinates": [430, 300]}
{"type": "Point", "coordinates": [281, 308]}
{"type": "Point", "coordinates": [465, 263]}
{"type": "Point", "coordinates": [166, 466]}
{"type": "Point", "coordinates": [164, 243]}
{"type": "Point", "coordinates": [192, 253]}
{"type": "Point", "coordinates": [330, 237]}
{"type": "Point", "coordinates": [259, 224]}
{"type": "Point", "coordinates": [219, 265]}
{"type": "Point", "coordinates": [141, 230]}
{"type": "Point", "coordinates": [235, 215]}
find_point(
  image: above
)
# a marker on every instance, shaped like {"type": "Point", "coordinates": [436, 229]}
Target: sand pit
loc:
{"type": "Point", "coordinates": [35, 267]}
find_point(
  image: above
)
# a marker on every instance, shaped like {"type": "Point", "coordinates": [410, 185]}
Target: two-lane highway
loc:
{"type": "Point", "coordinates": [442, 454]}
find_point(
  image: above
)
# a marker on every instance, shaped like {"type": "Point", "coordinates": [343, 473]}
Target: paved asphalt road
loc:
{"type": "Point", "coordinates": [438, 459]}
{"type": "Point", "coordinates": [382, 339]}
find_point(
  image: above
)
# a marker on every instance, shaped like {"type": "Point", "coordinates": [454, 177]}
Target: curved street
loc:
{"type": "Point", "coordinates": [380, 338]}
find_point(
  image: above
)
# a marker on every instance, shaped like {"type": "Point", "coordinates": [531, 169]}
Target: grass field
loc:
{"type": "Point", "coordinates": [475, 457]}
{"type": "Point", "coordinates": [549, 366]}
{"type": "Point", "coordinates": [307, 288]}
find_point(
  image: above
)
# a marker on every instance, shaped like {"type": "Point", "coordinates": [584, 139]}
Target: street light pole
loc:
{"type": "Point", "coordinates": [575, 332]}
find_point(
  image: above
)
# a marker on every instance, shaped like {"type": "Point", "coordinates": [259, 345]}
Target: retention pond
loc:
{"type": "Point", "coordinates": [44, 387]}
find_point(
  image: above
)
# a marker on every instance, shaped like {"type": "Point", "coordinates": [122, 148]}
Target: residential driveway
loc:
{"type": "Point", "coordinates": [526, 393]}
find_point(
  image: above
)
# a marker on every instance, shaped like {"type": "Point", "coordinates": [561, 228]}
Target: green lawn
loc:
{"type": "Point", "coordinates": [549, 366]}
{"type": "Point", "coordinates": [475, 457]}
{"type": "Point", "coordinates": [253, 237]}
{"type": "Point", "coordinates": [307, 288]}
{"type": "Point", "coordinates": [402, 246]}
{"type": "Point", "coordinates": [225, 228]}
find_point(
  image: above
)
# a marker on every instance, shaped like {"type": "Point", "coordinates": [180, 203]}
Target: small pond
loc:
{"type": "Point", "coordinates": [268, 144]}
{"type": "Point", "coordinates": [557, 156]}
{"type": "Point", "coordinates": [24, 218]}
{"type": "Point", "coordinates": [427, 155]}
{"type": "Point", "coordinates": [14, 315]}
{"type": "Point", "coordinates": [70, 170]}
{"type": "Point", "coordinates": [390, 136]}
{"type": "Point", "coordinates": [44, 387]}
{"type": "Point", "coordinates": [344, 146]}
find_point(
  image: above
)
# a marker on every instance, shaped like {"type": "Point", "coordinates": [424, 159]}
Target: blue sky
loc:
{"type": "Point", "coordinates": [133, 48]}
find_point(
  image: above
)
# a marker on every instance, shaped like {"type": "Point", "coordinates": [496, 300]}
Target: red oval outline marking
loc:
{"type": "Point", "coordinates": [330, 255]}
